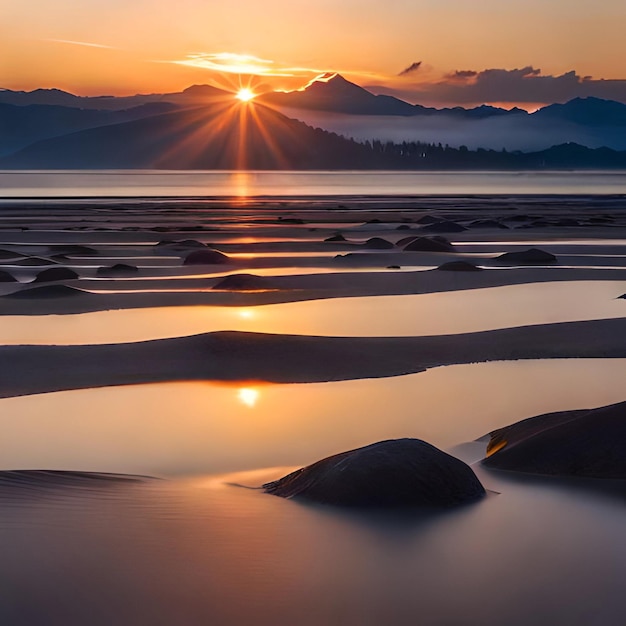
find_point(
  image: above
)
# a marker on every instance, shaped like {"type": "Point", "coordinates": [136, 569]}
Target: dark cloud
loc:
{"type": "Point", "coordinates": [461, 75]}
{"type": "Point", "coordinates": [526, 84]}
{"type": "Point", "coordinates": [411, 69]}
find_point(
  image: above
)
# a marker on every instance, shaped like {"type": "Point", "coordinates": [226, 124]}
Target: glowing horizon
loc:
{"type": "Point", "coordinates": [134, 47]}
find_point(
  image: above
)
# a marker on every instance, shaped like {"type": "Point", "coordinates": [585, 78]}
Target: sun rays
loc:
{"type": "Point", "coordinates": [233, 131]}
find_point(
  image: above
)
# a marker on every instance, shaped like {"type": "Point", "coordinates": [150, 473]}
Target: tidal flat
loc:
{"type": "Point", "coordinates": [143, 385]}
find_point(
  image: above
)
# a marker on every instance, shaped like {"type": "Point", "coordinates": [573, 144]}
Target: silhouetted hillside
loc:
{"type": "Point", "coordinates": [237, 136]}
{"type": "Point", "coordinates": [23, 125]}
{"type": "Point", "coordinates": [194, 95]}
{"type": "Point", "coordinates": [587, 112]}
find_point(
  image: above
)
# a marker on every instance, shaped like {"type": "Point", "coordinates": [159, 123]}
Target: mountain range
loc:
{"type": "Point", "coordinates": [204, 127]}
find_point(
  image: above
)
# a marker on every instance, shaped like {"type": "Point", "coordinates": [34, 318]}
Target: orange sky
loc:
{"type": "Point", "coordinates": [369, 41]}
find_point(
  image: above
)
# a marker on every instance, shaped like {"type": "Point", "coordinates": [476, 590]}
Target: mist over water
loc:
{"type": "Point", "coordinates": [512, 132]}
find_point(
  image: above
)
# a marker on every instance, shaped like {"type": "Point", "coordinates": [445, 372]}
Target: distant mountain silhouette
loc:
{"type": "Point", "coordinates": [50, 128]}
{"type": "Point", "coordinates": [587, 112]}
{"type": "Point", "coordinates": [196, 94]}
{"type": "Point", "coordinates": [335, 93]}
{"type": "Point", "coordinates": [23, 125]}
{"type": "Point", "coordinates": [238, 136]}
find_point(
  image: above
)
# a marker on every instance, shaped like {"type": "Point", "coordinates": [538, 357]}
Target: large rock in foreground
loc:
{"type": "Point", "coordinates": [585, 443]}
{"type": "Point", "coordinates": [399, 473]}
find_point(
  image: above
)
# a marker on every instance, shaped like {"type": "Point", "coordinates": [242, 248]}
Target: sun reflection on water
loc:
{"type": "Point", "coordinates": [248, 396]}
{"type": "Point", "coordinates": [246, 314]}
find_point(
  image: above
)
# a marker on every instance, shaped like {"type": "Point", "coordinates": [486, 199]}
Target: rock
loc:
{"type": "Point", "coordinates": [400, 473]}
{"type": "Point", "coordinates": [54, 274]}
{"type": "Point", "coordinates": [585, 443]}
{"type": "Point", "coordinates": [429, 244]}
{"type": "Point", "coordinates": [9, 254]}
{"type": "Point", "coordinates": [403, 227]}
{"type": "Point", "coordinates": [74, 250]}
{"type": "Point", "coordinates": [119, 269]}
{"type": "Point", "coordinates": [532, 256]}
{"type": "Point", "coordinates": [444, 226]}
{"type": "Point", "coordinates": [393, 267]}
{"type": "Point", "coordinates": [567, 221]}
{"type": "Point", "coordinates": [337, 237]}
{"type": "Point", "coordinates": [428, 219]}
{"type": "Point", "coordinates": [47, 292]}
{"type": "Point", "coordinates": [206, 257]}
{"type": "Point", "coordinates": [185, 244]}
{"type": "Point", "coordinates": [378, 243]}
{"type": "Point", "coordinates": [5, 277]}
{"type": "Point", "coordinates": [35, 261]}
{"type": "Point", "coordinates": [290, 220]}
{"type": "Point", "coordinates": [487, 224]}
{"type": "Point", "coordinates": [244, 282]}
{"type": "Point", "coordinates": [517, 218]}
{"type": "Point", "coordinates": [406, 240]}
{"type": "Point", "coordinates": [459, 266]}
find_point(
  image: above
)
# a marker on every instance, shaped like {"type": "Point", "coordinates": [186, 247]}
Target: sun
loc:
{"type": "Point", "coordinates": [245, 94]}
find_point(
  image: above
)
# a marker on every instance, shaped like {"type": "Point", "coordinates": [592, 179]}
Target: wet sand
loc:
{"type": "Point", "coordinates": [191, 550]}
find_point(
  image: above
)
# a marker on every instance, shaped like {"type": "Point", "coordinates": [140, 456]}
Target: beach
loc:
{"type": "Point", "coordinates": [165, 351]}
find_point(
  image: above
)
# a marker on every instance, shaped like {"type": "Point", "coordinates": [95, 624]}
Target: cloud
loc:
{"type": "Point", "coordinates": [461, 74]}
{"type": "Point", "coordinates": [233, 63]}
{"type": "Point", "coordinates": [81, 43]}
{"type": "Point", "coordinates": [411, 69]}
{"type": "Point", "coordinates": [520, 85]}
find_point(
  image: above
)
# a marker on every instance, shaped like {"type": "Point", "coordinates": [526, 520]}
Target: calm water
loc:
{"type": "Point", "coordinates": [376, 316]}
{"type": "Point", "coordinates": [198, 428]}
{"type": "Point", "coordinates": [33, 184]}
{"type": "Point", "coordinates": [201, 551]}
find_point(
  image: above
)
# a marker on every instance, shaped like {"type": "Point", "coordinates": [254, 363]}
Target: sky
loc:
{"type": "Point", "coordinates": [460, 52]}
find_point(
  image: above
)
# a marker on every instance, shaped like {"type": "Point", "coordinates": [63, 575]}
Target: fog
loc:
{"type": "Point", "coordinates": [513, 132]}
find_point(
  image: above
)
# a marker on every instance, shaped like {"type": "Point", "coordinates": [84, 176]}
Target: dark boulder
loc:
{"type": "Point", "coordinates": [5, 255]}
{"type": "Point", "coordinates": [532, 256]}
{"type": "Point", "coordinates": [244, 282]}
{"type": "Point", "coordinates": [585, 443]}
{"type": "Point", "coordinates": [5, 277]}
{"type": "Point", "coordinates": [444, 226]}
{"type": "Point", "coordinates": [335, 238]}
{"type": "Point", "coordinates": [54, 274]}
{"type": "Point", "coordinates": [400, 473]}
{"type": "Point", "coordinates": [185, 244]}
{"type": "Point", "coordinates": [378, 243]}
{"type": "Point", "coordinates": [488, 224]}
{"type": "Point", "coordinates": [206, 257]}
{"type": "Point", "coordinates": [429, 244]}
{"type": "Point", "coordinates": [35, 261]}
{"type": "Point", "coordinates": [459, 266]}
{"type": "Point", "coordinates": [46, 292]}
{"type": "Point", "coordinates": [74, 250]}
{"type": "Point", "coordinates": [119, 269]}
{"type": "Point", "coordinates": [406, 240]}
{"type": "Point", "coordinates": [429, 219]}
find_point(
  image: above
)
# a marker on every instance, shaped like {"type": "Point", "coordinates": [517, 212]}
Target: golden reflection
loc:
{"type": "Point", "coordinates": [248, 396]}
{"type": "Point", "coordinates": [242, 182]}
{"type": "Point", "coordinates": [246, 314]}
